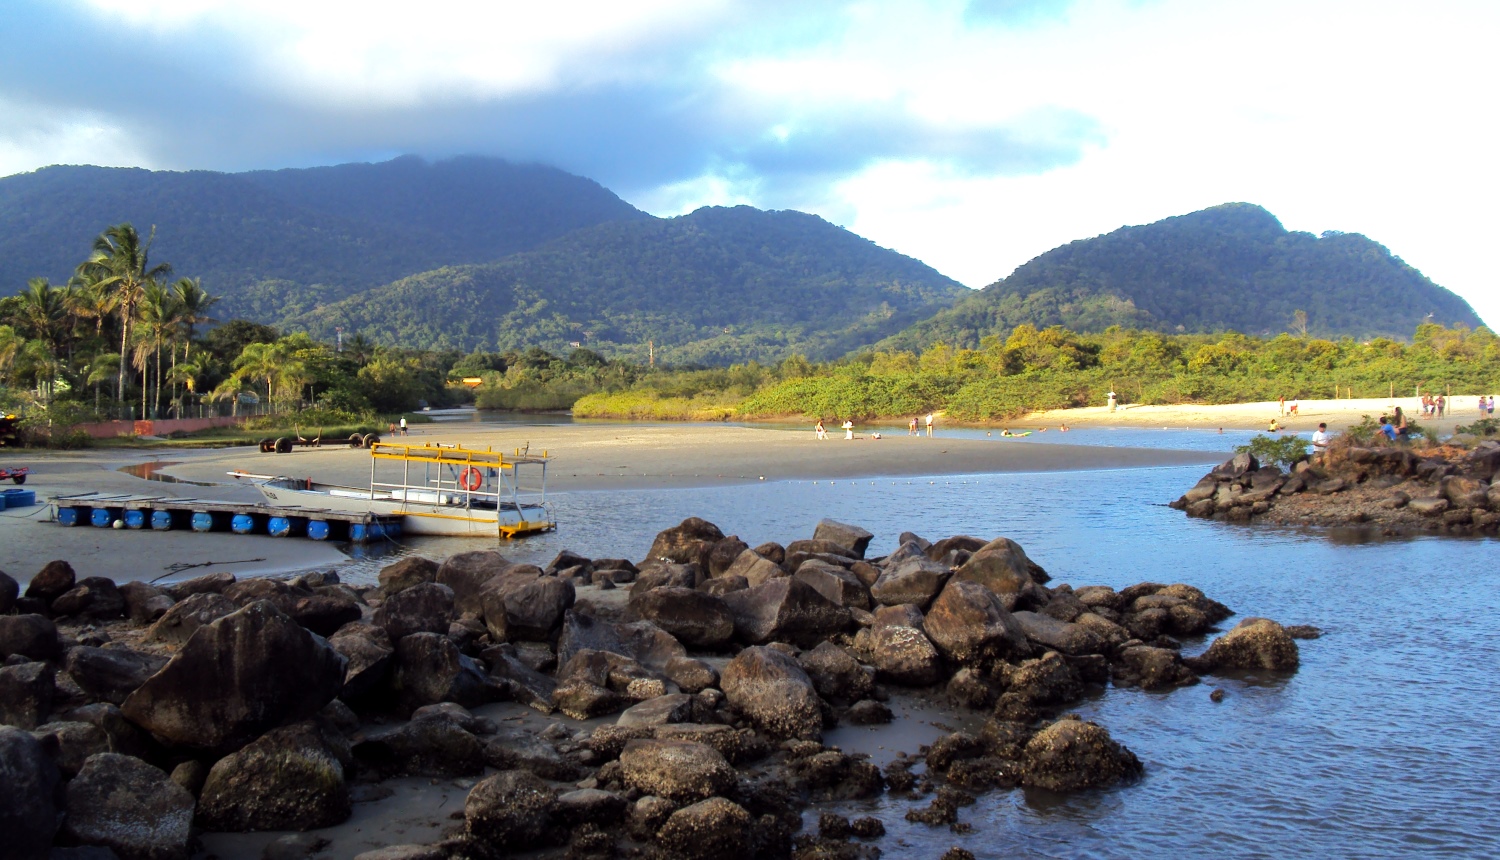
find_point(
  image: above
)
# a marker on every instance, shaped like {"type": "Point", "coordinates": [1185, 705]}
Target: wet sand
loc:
{"type": "Point", "coordinates": [1338, 414]}
{"type": "Point", "coordinates": [584, 457]}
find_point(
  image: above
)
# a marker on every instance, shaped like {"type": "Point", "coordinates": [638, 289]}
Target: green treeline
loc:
{"type": "Point", "coordinates": [1056, 368]}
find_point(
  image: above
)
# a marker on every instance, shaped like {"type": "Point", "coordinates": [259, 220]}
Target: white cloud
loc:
{"type": "Point", "coordinates": [33, 136]}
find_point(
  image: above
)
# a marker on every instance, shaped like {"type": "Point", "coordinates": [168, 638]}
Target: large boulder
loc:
{"type": "Point", "coordinates": [835, 674]}
{"type": "Point", "coordinates": [1064, 636]}
{"type": "Point", "coordinates": [641, 641]}
{"type": "Point", "coordinates": [1151, 668]}
{"type": "Point", "coordinates": [1002, 567]}
{"type": "Point", "coordinates": [130, 807]}
{"type": "Point", "coordinates": [179, 623]}
{"type": "Point", "coordinates": [124, 736]}
{"type": "Point", "coordinates": [74, 742]}
{"type": "Point", "coordinates": [697, 619]}
{"type": "Point", "coordinates": [662, 710]}
{"type": "Point", "coordinates": [30, 795]}
{"type": "Point", "coordinates": [1461, 492]}
{"type": "Point", "coordinates": [208, 583]}
{"type": "Point", "coordinates": [852, 538]}
{"type": "Point", "coordinates": [247, 672]}
{"type": "Point", "coordinates": [511, 678]}
{"type": "Point", "coordinates": [145, 603]}
{"type": "Point", "coordinates": [691, 540]}
{"type": "Point", "coordinates": [32, 636]}
{"type": "Point", "coordinates": [534, 611]}
{"type": "Point", "coordinates": [666, 574]}
{"type": "Point", "coordinates": [509, 812]}
{"type": "Point", "coordinates": [1255, 643]}
{"type": "Point", "coordinates": [287, 779]}
{"type": "Point", "coordinates": [467, 573]}
{"type": "Point", "coordinates": [26, 694]}
{"type": "Point", "coordinates": [1070, 755]}
{"type": "Point", "coordinates": [431, 748]}
{"type": "Point", "coordinates": [784, 610]}
{"type": "Point", "coordinates": [723, 555]}
{"type": "Point", "coordinates": [968, 623]}
{"type": "Point", "coordinates": [429, 669]}
{"type": "Point", "coordinates": [95, 597]}
{"type": "Point", "coordinates": [754, 567]}
{"type": "Point", "coordinates": [409, 571]}
{"type": "Point", "coordinates": [682, 771]}
{"type": "Point", "coordinates": [774, 693]}
{"type": "Point", "coordinates": [836, 583]}
{"type": "Point", "coordinates": [426, 607]}
{"type": "Point", "coordinates": [712, 829]}
{"type": "Point", "coordinates": [111, 674]}
{"type": "Point", "coordinates": [368, 654]}
{"type": "Point", "coordinates": [911, 580]}
{"type": "Point", "coordinates": [323, 614]}
{"type": "Point", "coordinates": [9, 591]}
{"type": "Point", "coordinates": [52, 581]}
{"type": "Point", "coordinates": [902, 655]}
{"type": "Point", "coordinates": [525, 750]}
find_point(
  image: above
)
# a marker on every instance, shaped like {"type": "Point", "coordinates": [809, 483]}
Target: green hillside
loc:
{"type": "Point", "coordinates": [277, 243]}
{"type": "Point", "coordinates": [716, 286]}
{"type": "Point", "coordinates": [1231, 267]}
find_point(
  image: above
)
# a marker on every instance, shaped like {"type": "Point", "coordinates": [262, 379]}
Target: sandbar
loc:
{"type": "Point", "coordinates": [1337, 414]}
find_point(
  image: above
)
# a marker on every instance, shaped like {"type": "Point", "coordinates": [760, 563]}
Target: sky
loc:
{"type": "Point", "coordinates": [973, 135]}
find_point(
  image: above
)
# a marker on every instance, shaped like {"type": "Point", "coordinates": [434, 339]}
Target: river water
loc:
{"type": "Point", "coordinates": [1383, 744]}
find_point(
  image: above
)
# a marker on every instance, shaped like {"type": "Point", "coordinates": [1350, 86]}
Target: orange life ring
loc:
{"type": "Point", "coordinates": [470, 479]}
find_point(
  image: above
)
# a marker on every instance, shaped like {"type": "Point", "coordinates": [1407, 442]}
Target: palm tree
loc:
{"type": "Point", "coordinates": [11, 344]}
{"type": "Point", "coordinates": [160, 322]}
{"type": "Point", "coordinates": [195, 365]}
{"type": "Point", "coordinates": [43, 312]}
{"type": "Point", "coordinates": [360, 349]}
{"type": "Point", "coordinates": [192, 303]}
{"type": "Point", "coordinates": [92, 299]}
{"type": "Point", "coordinates": [100, 369]}
{"type": "Point", "coordinates": [121, 262]}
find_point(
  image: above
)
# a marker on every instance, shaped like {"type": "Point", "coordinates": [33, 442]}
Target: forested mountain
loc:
{"type": "Point", "coordinates": [275, 243]}
{"type": "Point", "coordinates": [1231, 267]}
{"type": "Point", "coordinates": [719, 285]}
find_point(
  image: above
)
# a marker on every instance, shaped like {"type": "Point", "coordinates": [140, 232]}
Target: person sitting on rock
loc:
{"type": "Point", "coordinates": [1386, 429]}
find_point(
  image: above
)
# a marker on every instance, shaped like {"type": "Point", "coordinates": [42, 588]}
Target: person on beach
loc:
{"type": "Point", "coordinates": [1490, 409]}
{"type": "Point", "coordinates": [820, 430]}
{"type": "Point", "coordinates": [1399, 422]}
{"type": "Point", "coordinates": [1291, 408]}
{"type": "Point", "coordinates": [848, 429]}
{"type": "Point", "coordinates": [911, 429]}
{"type": "Point", "coordinates": [1442, 404]}
{"type": "Point", "coordinates": [1063, 429]}
{"type": "Point", "coordinates": [1274, 427]}
{"type": "Point", "coordinates": [929, 425]}
{"type": "Point", "coordinates": [1386, 429]}
{"type": "Point", "coordinates": [403, 425]}
{"type": "Point", "coordinates": [1281, 405]}
{"type": "Point", "coordinates": [1320, 440]}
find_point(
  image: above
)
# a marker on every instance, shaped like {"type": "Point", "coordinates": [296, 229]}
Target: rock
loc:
{"type": "Point", "coordinates": [604, 808]}
{"type": "Point", "coordinates": [903, 655]}
{"type": "Point", "coordinates": [433, 748]}
{"type": "Point", "coordinates": [666, 574]}
{"type": "Point", "coordinates": [708, 830]}
{"type": "Point", "coordinates": [287, 779]}
{"type": "Point", "coordinates": [513, 679]}
{"type": "Point", "coordinates": [129, 806]}
{"type": "Point", "coordinates": [774, 693]}
{"type": "Point", "coordinates": [723, 555]}
{"type": "Point", "coordinates": [237, 677]}
{"type": "Point", "coordinates": [429, 668]}
{"type": "Point", "coordinates": [754, 567]}
{"type": "Point", "coordinates": [124, 736]}
{"type": "Point", "coordinates": [691, 541]}
{"type": "Point", "coordinates": [784, 610]}
{"type": "Point", "coordinates": [868, 712]}
{"type": "Point", "coordinates": [1459, 491]}
{"type": "Point", "coordinates": [852, 538]}
{"type": "Point", "coordinates": [467, 573]}
{"type": "Point", "coordinates": [1329, 486]}
{"type": "Point", "coordinates": [405, 852]}
{"type": "Point", "coordinates": [1070, 755]}
{"type": "Point", "coordinates": [534, 611]}
{"type": "Point", "coordinates": [323, 614]}
{"type": "Point", "coordinates": [1002, 567]}
{"type": "Point", "coordinates": [95, 597]}
{"type": "Point", "coordinates": [51, 582]}
{"type": "Point", "coordinates": [111, 674]}
{"type": "Point", "coordinates": [916, 581]}
{"type": "Point", "coordinates": [9, 591]}
{"type": "Point", "coordinates": [674, 708]}
{"type": "Point", "coordinates": [74, 742]}
{"type": "Point", "coordinates": [32, 636]}
{"type": "Point", "coordinates": [526, 751]}
{"type": "Point", "coordinates": [1073, 639]}
{"type": "Point", "coordinates": [183, 619]}
{"type": "Point", "coordinates": [30, 795]}
{"type": "Point", "coordinates": [509, 812]}
{"type": "Point", "coordinates": [409, 571]}
{"type": "Point", "coordinates": [294, 846]}
{"type": "Point", "coordinates": [1046, 681]}
{"type": "Point", "coordinates": [247, 591]}
{"type": "Point", "coordinates": [208, 583]}
{"type": "Point", "coordinates": [837, 584]}
{"type": "Point", "coordinates": [425, 607]}
{"type": "Point", "coordinates": [682, 771]}
{"type": "Point", "coordinates": [368, 656]}
{"type": "Point", "coordinates": [641, 641]}
{"type": "Point", "coordinates": [1255, 643]}
{"type": "Point", "coordinates": [584, 700]}
{"type": "Point", "coordinates": [835, 674]}
{"type": "Point", "coordinates": [697, 619]}
{"type": "Point", "coordinates": [26, 693]}
{"type": "Point", "coordinates": [968, 623]}
{"type": "Point", "coordinates": [691, 675]}
{"type": "Point", "coordinates": [1152, 668]}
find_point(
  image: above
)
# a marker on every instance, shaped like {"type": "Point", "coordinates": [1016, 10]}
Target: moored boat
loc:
{"type": "Point", "coordinates": [440, 489]}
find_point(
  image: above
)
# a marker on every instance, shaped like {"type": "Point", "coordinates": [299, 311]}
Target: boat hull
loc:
{"type": "Point", "coordinates": [420, 518]}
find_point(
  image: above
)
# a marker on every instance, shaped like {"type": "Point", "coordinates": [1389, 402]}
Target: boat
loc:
{"type": "Point", "coordinates": [440, 490]}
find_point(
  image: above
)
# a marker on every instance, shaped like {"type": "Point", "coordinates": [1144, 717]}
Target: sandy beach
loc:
{"type": "Point", "coordinates": [1338, 414]}
{"type": "Point", "coordinates": [584, 457]}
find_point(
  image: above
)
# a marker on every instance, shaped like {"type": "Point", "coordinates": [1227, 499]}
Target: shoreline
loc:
{"type": "Point", "coordinates": [585, 458]}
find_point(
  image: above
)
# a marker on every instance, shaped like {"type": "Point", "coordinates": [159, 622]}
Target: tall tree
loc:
{"type": "Point", "coordinates": [43, 312]}
{"type": "Point", "coordinates": [121, 261]}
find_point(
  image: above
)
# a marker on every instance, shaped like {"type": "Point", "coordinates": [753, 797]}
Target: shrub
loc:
{"type": "Point", "coordinates": [1482, 427]}
{"type": "Point", "coordinates": [1283, 451]}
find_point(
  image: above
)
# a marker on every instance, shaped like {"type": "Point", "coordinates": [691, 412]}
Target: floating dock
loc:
{"type": "Point", "coordinates": [164, 513]}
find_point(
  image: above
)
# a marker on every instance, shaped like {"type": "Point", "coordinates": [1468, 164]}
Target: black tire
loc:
{"type": "Point", "coordinates": [19, 479]}
{"type": "Point", "coordinates": [267, 446]}
{"type": "Point", "coordinates": [356, 440]}
{"type": "Point", "coordinates": [283, 445]}
{"type": "Point", "coordinates": [371, 439]}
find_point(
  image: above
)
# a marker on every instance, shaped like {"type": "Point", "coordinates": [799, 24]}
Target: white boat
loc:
{"type": "Point", "coordinates": [459, 491]}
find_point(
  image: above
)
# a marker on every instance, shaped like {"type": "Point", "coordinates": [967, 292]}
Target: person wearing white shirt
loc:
{"type": "Point", "coordinates": [1320, 440]}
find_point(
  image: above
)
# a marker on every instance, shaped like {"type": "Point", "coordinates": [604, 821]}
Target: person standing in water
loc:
{"type": "Point", "coordinates": [820, 430]}
{"type": "Point", "coordinates": [929, 425]}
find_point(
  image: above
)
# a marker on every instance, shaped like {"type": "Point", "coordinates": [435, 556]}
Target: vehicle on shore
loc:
{"type": "Point", "coordinates": [440, 489]}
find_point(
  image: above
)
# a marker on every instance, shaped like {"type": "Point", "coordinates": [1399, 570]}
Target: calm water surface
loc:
{"type": "Point", "coordinates": [1382, 745]}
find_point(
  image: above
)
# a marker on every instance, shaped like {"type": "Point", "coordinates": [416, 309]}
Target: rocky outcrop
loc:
{"type": "Point", "coordinates": [697, 619]}
{"type": "Point", "coordinates": [1070, 755]}
{"type": "Point", "coordinates": [785, 610]}
{"type": "Point", "coordinates": [287, 779]}
{"type": "Point", "coordinates": [681, 771]}
{"type": "Point", "coordinates": [30, 794]}
{"type": "Point", "coordinates": [1255, 643]}
{"type": "Point", "coordinates": [769, 688]}
{"type": "Point", "coordinates": [124, 804]}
